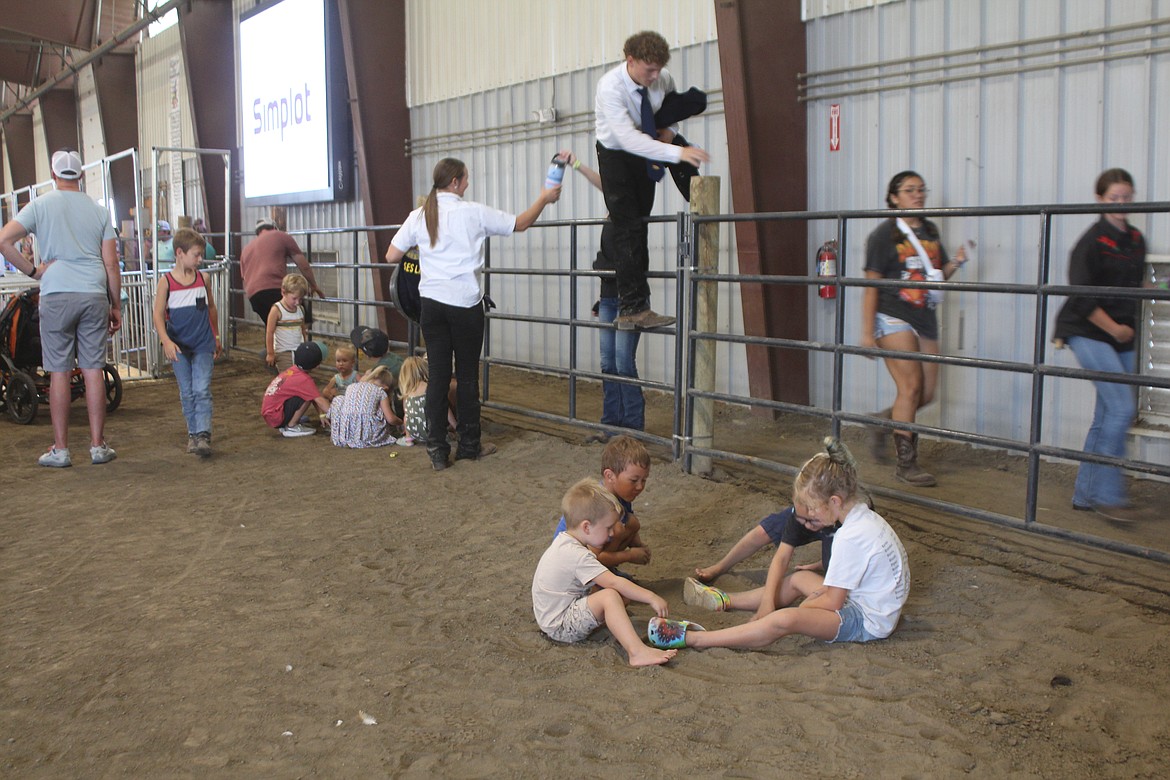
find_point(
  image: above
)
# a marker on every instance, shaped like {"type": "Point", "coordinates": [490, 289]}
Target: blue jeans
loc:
{"type": "Point", "coordinates": [1098, 484]}
{"type": "Point", "coordinates": [622, 404]}
{"type": "Point", "coordinates": [193, 373]}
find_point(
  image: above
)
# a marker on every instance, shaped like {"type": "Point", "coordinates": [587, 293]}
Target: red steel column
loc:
{"type": "Point", "coordinates": [761, 49]}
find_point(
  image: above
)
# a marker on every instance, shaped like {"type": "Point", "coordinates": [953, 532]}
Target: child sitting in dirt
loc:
{"type": "Point", "coordinates": [364, 416]}
{"type": "Point", "coordinates": [561, 602]}
{"type": "Point", "coordinates": [345, 360]}
{"type": "Point", "coordinates": [625, 468]}
{"type": "Point", "coordinates": [412, 387]}
{"type": "Point", "coordinates": [293, 392]}
{"type": "Point", "coordinates": [787, 530]}
{"type": "Point", "coordinates": [376, 344]}
{"type": "Point", "coordinates": [861, 596]}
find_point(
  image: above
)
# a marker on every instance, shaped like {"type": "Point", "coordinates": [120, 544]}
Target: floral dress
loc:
{"type": "Point", "coordinates": [356, 419]}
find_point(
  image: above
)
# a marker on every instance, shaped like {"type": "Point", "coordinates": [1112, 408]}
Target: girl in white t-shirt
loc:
{"type": "Point", "coordinates": [861, 595]}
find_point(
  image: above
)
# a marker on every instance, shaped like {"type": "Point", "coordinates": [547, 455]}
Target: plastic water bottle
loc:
{"type": "Point", "coordinates": [556, 173]}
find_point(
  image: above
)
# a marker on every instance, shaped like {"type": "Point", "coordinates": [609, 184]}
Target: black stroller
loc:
{"type": "Point", "coordinates": [23, 383]}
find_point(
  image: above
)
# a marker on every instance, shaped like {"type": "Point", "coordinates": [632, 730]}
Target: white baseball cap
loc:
{"type": "Point", "coordinates": [67, 164]}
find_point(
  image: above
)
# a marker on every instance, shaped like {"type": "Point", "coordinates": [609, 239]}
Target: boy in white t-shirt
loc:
{"type": "Point", "coordinates": [564, 608]}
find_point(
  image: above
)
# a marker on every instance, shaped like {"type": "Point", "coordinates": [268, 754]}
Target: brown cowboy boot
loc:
{"type": "Point", "coordinates": [907, 470]}
{"type": "Point", "coordinates": [879, 439]}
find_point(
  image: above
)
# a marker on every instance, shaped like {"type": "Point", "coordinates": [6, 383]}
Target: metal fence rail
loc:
{"type": "Point", "coordinates": [682, 384]}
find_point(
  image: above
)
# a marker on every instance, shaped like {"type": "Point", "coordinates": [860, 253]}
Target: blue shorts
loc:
{"type": "Point", "coordinates": [773, 526]}
{"type": "Point", "coordinates": [852, 625]}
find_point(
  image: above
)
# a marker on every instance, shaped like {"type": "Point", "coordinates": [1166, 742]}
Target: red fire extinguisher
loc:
{"type": "Point", "coordinates": [827, 268]}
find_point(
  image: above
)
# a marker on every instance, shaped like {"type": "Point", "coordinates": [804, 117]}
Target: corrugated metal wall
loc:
{"type": "Point", "coordinates": [507, 169]}
{"type": "Point", "coordinates": [93, 138]}
{"type": "Point", "coordinates": [459, 47]}
{"type": "Point", "coordinates": [990, 137]}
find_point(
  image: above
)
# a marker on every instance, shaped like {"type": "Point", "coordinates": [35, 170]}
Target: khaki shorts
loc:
{"type": "Point", "coordinates": [578, 623]}
{"type": "Point", "coordinates": [74, 325]}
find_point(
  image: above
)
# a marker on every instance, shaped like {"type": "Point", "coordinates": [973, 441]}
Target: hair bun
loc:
{"type": "Point", "coordinates": [839, 453]}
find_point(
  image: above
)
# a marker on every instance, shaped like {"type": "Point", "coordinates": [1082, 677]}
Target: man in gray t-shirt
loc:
{"type": "Point", "coordinates": [80, 298]}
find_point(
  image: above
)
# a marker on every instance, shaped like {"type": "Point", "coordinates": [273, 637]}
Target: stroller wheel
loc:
{"type": "Point", "coordinates": [20, 395]}
{"type": "Point", "coordinates": [113, 383]}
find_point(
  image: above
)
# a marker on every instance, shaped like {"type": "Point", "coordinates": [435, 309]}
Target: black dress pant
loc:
{"type": "Point", "coordinates": [629, 196]}
{"type": "Point", "coordinates": [452, 332]}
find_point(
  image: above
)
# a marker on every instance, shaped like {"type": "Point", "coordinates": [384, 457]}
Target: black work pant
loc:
{"type": "Point", "coordinates": [452, 332]}
{"type": "Point", "coordinates": [629, 196]}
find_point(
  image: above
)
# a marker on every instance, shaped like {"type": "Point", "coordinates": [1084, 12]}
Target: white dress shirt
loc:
{"type": "Point", "coordinates": [452, 269]}
{"type": "Point", "coordinates": [617, 110]}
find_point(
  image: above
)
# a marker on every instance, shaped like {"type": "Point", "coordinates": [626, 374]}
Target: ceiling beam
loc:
{"type": "Point", "coordinates": [117, 40]}
{"type": "Point", "coordinates": [67, 22]}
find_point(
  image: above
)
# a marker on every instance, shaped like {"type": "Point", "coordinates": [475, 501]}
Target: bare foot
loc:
{"type": "Point", "coordinates": [707, 575]}
{"type": "Point", "coordinates": [651, 656]}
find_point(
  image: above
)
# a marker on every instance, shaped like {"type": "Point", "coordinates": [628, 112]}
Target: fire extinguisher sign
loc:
{"type": "Point", "coordinates": [835, 127]}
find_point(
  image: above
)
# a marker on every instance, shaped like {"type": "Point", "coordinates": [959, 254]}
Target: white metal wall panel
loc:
{"type": "Point", "coordinates": [506, 173]}
{"type": "Point", "coordinates": [40, 147]}
{"type": "Point", "coordinates": [997, 139]}
{"type": "Point", "coordinates": [93, 139]}
{"type": "Point", "coordinates": [154, 60]}
{"type": "Point", "coordinates": [464, 47]}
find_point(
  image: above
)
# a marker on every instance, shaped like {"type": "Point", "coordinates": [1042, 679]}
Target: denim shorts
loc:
{"type": "Point", "coordinates": [852, 625]}
{"type": "Point", "coordinates": [885, 325]}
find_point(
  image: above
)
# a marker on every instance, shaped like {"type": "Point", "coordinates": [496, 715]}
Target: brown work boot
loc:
{"type": "Point", "coordinates": [879, 439]}
{"type": "Point", "coordinates": [203, 444]}
{"type": "Point", "coordinates": [907, 470]}
{"type": "Point", "coordinates": [643, 320]}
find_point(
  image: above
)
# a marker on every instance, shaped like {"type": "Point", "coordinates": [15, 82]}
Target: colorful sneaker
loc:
{"type": "Point", "coordinates": [101, 454]}
{"type": "Point", "coordinates": [295, 431]}
{"type": "Point", "coordinates": [406, 441]}
{"type": "Point", "coordinates": [697, 594]}
{"type": "Point", "coordinates": [55, 458]}
{"type": "Point", "coordinates": [669, 634]}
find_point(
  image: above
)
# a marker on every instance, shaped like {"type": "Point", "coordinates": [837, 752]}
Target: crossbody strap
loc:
{"type": "Point", "coordinates": [906, 229]}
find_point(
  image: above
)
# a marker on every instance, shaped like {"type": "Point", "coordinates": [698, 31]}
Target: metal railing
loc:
{"type": "Point", "coordinates": [686, 279]}
{"type": "Point", "coordinates": [1037, 369]}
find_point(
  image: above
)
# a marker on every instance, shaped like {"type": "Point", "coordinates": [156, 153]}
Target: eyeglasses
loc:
{"type": "Point", "coordinates": [806, 521]}
{"type": "Point", "coordinates": [914, 191]}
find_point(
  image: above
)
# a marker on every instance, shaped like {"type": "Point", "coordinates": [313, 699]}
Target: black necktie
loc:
{"type": "Point", "coordinates": [654, 170]}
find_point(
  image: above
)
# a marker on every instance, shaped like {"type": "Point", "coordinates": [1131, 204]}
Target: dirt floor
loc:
{"type": "Point", "coordinates": [241, 617]}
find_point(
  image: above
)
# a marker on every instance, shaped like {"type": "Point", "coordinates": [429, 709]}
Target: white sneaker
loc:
{"type": "Point", "coordinates": [55, 458]}
{"type": "Point", "coordinates": [295, 431]}
{"type": "Point", "coordinates": [101, 454]}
